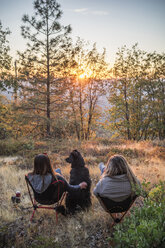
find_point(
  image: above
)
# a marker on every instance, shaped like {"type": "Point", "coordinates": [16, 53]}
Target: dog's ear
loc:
{"type": "Point", "coordinates": [75, 153]}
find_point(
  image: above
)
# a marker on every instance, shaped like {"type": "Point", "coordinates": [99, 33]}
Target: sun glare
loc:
{"type": "Point", "coordinates": [82, 76]}
{"type": "Point", "coordinates": [85, 75]}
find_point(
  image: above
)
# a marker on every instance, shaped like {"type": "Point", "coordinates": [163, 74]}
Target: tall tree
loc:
{"type": "Point", "coordinates": [126, 94]}
{"type": "Point", "coordinates": [119, 112]}
{"type": "Point", "coordinates": [86, 84]}
{"type": "Point", "coordinates": [154, 88]}
{"type": "Point", "coordinates": [96, 83]}
{"type": "Point", "coordinates": [43, 59]}
{"type": "Point", "coordinates": [137, 94]}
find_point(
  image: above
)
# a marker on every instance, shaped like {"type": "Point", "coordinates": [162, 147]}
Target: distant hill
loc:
{"type": "Point", "coordinates": [8, 93]}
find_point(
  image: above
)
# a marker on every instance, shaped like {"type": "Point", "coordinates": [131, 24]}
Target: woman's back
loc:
{"type": "Point", "coordinates": [40, 182]}
{"type": "Point", "coordinates": [47, 189]}
{"type": "Point", "coordinates": [118, 182]}
{"type": "Point", "coordinates": [116, 188]}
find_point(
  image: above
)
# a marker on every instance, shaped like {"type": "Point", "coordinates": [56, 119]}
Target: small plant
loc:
{"type": "Point", "coordinates": [158, 193]}
{"type": "Point", "coordinates": [44, 242]}
{"type": "Point", "coordinates": [28, 145]}
{"type": "Point", "coordinates": [145, 227]}
{"type": "Point", "coordinates": [143, 189]}
{"type": "Point", "coordinates": [10, 147]}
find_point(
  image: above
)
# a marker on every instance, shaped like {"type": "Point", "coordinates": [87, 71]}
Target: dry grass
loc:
{"type": "Point", "coordinates": [152, 170]}
{"type": "Point", "coordinates": [12, 179]}
{"type": "Point", "coordinates": [84, 229]}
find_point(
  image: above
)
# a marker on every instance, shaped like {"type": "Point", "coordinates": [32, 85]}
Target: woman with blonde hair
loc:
{"type": "Point", "coordinates": [118, 183]}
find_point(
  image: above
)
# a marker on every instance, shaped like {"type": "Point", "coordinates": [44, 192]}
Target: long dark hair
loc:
{"type": "Point", "coordinates": [42, 166]}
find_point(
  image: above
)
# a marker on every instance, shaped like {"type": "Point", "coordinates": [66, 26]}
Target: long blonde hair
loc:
{"type": "Point", "coordinates": [117, 165]}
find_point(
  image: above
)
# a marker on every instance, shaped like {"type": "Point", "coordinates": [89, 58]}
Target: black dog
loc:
{"type": "Point", "coordinates": [79, 173]}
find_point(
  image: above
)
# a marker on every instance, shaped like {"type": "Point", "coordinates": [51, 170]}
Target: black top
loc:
{"type": "Point", "coordinates": [47, 189]}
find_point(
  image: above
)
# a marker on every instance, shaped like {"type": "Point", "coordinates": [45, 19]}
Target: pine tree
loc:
{"type": "Point", "coordinates": [43, 60]}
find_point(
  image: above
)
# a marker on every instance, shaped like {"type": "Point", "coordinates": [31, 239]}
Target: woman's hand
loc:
{"type": "Point", "coordinates": [83, 185]}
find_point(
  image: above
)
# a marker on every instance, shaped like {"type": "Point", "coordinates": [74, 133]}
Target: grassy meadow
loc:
{"type": "Point", "coordinates": [85, 229]}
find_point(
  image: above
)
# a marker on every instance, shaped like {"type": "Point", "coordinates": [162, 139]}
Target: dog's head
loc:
{"type": "Point", "coordinates": [75, 159]}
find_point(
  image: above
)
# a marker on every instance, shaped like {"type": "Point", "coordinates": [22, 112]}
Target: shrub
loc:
{"type": "Point", "coordinates": [146, 226]}
{"type": "Point", "coordinates": [158, 193]}
{"type": "Point", "coordinates": [110, 142]}
{"type": "Point", "coordinates": [44, 242]}
{"type": "Point", "coordinates": [11, 146]}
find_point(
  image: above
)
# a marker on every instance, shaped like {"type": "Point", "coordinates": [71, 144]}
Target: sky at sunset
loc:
{"type": "Point", "coordinates": [109, 23]}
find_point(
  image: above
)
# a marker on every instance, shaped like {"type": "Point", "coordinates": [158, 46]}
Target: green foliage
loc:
{"type": "Point", "coordinates": [45, 242]}
{"type": "Point", "coordinates": [5, 59]}
{"type": "Point", "coordinates": [137, 94]}
{"type": "Point", "coordinates": [86, 84]}
{"type": "Point", "coordinates": [5, 127]}
{"type": "Point", "coordinates": [12, 146]}
{"type": "Point", "coordinates": [158, 193]}
{"type": "Point", "coordinates": [42, 62]}
{"type": "Point", "coordinates": [109, 141]}
{"type": "Point", "coordinates": [127, 152]}
{"type": "Point", "coordinates": [28, 145]}
{"type": "Point", "coordinates": [145, 227]}
{"type": "Point", "coordinates": [62, 128]}
{"type": "Point", "coordinates": [11, 121]}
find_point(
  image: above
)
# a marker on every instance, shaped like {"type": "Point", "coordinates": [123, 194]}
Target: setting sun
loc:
{"type": "Point", "coordinates": [82, 76]}
{"type": "Point", "coordinates": [85, 75]}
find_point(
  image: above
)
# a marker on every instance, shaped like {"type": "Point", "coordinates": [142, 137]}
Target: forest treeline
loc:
{"type": "Point", "coordinates": [57, 85]}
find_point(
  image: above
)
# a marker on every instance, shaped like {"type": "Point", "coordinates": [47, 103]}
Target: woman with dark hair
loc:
{"type": "Point", "coordinates": [45, 181]}
{"type": "Point", "coordinates": [118, 183]}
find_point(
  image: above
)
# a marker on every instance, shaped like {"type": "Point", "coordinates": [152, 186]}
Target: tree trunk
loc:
{"type": "Point", "coordinates": [89, 124]}
{"type": "Point", "coordinates": [75, 119]}
{"type": "Point", "coordinates": [127, 111]}
{"type": "Point", "coordinates": [15, 86]}
{"type": "Point", "coordinates": [91, 110]}
{"type": "Point", "coordinates": [81, 114]}
{"type": "Point", "coordinates": [48, 82]}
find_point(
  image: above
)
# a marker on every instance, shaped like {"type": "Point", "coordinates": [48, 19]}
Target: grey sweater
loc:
{"type": "Point", "coordinates": [41, 183]}
{"type": "Point", "coordinates": [116, 188]}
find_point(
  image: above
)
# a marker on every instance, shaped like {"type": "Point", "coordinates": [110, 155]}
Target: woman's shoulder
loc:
{"type": "Point", "coordinates": [46, 176]}
{"type": "Point", "coordinates": [122, 177]}
{"type": "Point", "coordinates": [106, 178]}
{"type": "Point", "coordinates": [58, 178]}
